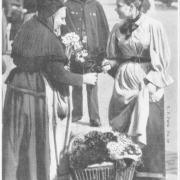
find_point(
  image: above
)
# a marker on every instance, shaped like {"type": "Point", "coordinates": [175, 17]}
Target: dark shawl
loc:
{"type": "Point", "coordinates": [36, 40]}
{"type": "Point", "coordinates": [37, 49]}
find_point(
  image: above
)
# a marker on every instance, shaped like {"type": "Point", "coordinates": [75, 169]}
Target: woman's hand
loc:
{"type": "Point", "coordinates": [152, 88]}
{"type": "Point", "coordinates": [90, 78]}
{"type": "Point", "coordinates": [106, 65]}
{"type": "Point", "coordinates": [155, 97]}
{"type": "Point", "coordinates": [155, 94]}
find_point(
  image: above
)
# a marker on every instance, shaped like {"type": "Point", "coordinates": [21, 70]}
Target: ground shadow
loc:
{"type": "Point", "coordinates": [82, 123]}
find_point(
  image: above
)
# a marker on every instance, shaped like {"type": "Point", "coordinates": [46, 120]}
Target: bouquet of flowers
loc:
{"type": "Point", "coordinates": [97, 147]}
{"type": "Point", "coordinates": [124, 148]}
{"type": "Point", "coordinates": [74, 46]}
{"type": "Point", "coordinates": [77, 48]}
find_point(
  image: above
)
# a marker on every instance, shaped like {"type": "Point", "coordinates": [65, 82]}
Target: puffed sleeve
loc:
{"type": "Point", "coordinates": [160, 57]}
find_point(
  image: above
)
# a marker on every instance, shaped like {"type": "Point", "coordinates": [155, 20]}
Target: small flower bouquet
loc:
{"type": "Point", "coordinates": [74, 46]}
{"type": "Point", "coordinates": [95, 148]}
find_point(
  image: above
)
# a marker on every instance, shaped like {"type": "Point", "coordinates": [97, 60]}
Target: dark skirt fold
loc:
{"type": "Point", "coordinates": [25, 137]}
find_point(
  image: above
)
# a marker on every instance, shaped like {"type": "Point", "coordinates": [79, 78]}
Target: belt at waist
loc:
{"type": "Point", "coordinates": [137, 59]}
{"type": "Point", "coordinates": [26, 91]}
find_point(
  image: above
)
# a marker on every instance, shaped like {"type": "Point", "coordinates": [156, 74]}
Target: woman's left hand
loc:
{"type": "Point", "coordinates": [151, 87]}
{"type": "Point", "coordinates": [155, 97]}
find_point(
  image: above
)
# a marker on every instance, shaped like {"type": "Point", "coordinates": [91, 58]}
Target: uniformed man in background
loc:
{"type": "Point", "coordinates": [88, 20]}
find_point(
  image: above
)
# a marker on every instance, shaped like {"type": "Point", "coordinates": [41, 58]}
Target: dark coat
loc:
{"type": "Point", "coordinates": [37, 53]}
{"type": "Point", "coordinates": [90, 13]}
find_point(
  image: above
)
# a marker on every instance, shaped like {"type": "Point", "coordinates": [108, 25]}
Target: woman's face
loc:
{"type": "Point", "coordinates": [124, 11]}
{"type": "Point", "coordinates": [59, 18]}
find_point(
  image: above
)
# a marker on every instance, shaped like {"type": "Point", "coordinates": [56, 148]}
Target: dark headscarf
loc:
{"type": "Point", "coordinates": [47, 8]}
{"type": "Point", "coordinates": [35, 41]}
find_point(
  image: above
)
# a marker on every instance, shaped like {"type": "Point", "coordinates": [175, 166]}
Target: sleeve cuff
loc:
{"type": "Point", "coordinates": [159, 79]}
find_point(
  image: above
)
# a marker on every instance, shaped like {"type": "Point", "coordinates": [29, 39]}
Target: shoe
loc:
{"type": "Point", "coordinates": [77, 118]}
{"type": "Point", "coordinates": [95, 122]}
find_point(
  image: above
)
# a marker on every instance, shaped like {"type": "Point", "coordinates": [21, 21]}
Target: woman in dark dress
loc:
{"type": "Point", "coordinates": [138, 46]}
{"type": "Point", "coordinates": [28, 111]}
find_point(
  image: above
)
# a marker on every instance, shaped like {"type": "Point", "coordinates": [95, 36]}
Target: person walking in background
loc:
{"type": "Point", "coordinates": [30, 7]}
{"type": "Point", "coordinates": [17, 12]}
{"type": "Point", "coordinates": [14, 11]}
{"type": "Point", "coordinates": [87, 19]}
{"type": "Point", "coordinates": [4, 41]}
{"type": "Point", "coordinates": [32, 110]}
{"type": "Point", "coordinates": [139, 50]}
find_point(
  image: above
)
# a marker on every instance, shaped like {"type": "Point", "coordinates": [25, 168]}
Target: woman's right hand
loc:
{"type": "Point", "coordinates": [90, 78]}
{"type": "Point", "coordinates": [106, 65]}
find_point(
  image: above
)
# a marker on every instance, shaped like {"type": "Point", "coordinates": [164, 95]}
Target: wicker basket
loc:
{"type": "Point", "coordinates": [95, 172]}
{"type": "Point", "coordinates": [104, 171]}
{"type": "Point", "coordinates": [126, 174]}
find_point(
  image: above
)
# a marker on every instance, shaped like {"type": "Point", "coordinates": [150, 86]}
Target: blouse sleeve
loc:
{"type": "Point", "coordinates": [55, 70]}
{"type": "Point", "coordinates": [160, 57]}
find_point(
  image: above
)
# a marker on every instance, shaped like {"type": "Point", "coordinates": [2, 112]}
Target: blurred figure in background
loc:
{"type": "Point", "coordinates": [30, 7]}
{"type": "Point", "coordinates": [87, 19]}
{"type": "Point", "coordinates": [17, 12]}
{"type": "Point", "coordinates": [4, 41]}
{"type": "Point", "coordinates": [14, 11]}
{"type": "Point", "coordinates": [148, 6]}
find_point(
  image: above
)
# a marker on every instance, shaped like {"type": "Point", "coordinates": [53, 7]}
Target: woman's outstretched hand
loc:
{"type": "Point", "coordinates": [106, 65]}
{"type": "Point", "coordinates": [90, 78]}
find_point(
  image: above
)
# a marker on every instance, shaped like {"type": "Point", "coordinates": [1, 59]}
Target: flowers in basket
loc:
{"type": "Point", "coordinates": [96, 147]}
{"type": "Point", "coordinates": [74, 46]}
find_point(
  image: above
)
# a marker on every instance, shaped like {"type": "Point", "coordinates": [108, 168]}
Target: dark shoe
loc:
{"type": "Point", "coordinates": [77, 118]}
{"type": "Point", "coordinates": [95, 122]}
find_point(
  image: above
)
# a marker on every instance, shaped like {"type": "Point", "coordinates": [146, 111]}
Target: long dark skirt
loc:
{"type": "Point", "coordinates": [25, 149]}
{"type": "Point", "coordinates": [154, 152]}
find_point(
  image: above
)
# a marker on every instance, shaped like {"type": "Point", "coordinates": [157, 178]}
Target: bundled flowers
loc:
{"type": "Point", "coordinates": [97, 147]}
{"type": "Point", "coordinates": [74, 46]}
{"type": "Point", "coordinates": [124, 148]}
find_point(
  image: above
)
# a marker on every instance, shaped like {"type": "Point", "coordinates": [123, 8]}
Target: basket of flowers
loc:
{"type": "Point", "coordinates": [103, 156]}
{"type": "Point", "coordinates": [126, 154]}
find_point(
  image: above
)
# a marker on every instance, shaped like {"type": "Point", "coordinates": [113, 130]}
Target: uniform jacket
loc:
{"type": "Point", "coordinates": [91, 14]}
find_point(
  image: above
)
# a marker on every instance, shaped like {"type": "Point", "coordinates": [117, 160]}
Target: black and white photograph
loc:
{"type": "Point", "coordinates": [90, 90]}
